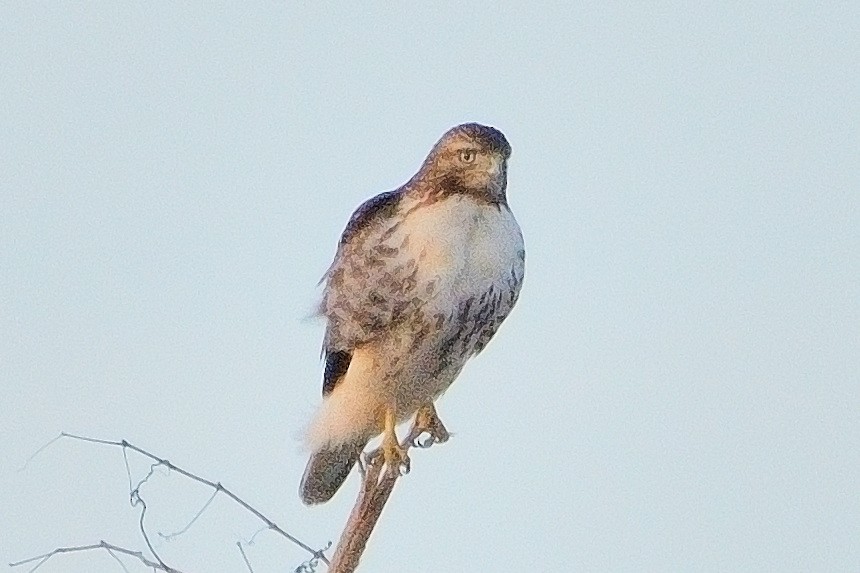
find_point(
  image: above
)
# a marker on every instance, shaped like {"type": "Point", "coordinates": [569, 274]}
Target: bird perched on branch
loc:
{"type": "Point", "coordinates": [423, 277]}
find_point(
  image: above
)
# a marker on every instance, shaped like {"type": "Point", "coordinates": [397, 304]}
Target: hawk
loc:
{"type": "Point", "coordinates": [423, 277]}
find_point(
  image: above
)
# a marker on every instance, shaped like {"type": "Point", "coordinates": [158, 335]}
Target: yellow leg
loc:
{"type": "Point", "coordinates": [427, 422]}
{"type": "Point", "coordinates": [394, 454]}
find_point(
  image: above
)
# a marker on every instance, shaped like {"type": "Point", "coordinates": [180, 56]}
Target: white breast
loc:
{"type": "Point", "coordinates": [463, 247]}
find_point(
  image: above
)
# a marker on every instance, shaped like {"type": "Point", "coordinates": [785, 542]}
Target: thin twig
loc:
{"type": "Point", "coordinates": [136, 499]}
{"type": "Point", "coordinates": [39, 451]}
{"type": "Point", "coordinates": [169, 536]}
{"type": "Point", "coordinates": [256, 533]}
{"type": "Point", "coordinates": [214, 485]}
{"type": "Point", "coordinates": [142, 503]}
{"type": "Point", "coordinates": [134, 493]}
{"type": "Point", "coordinates": [310, 566]}
{"type": "Point", "coordinates": [244, 557]}
{"type": "Point", "coordinates": [377, 484]}
{"type": "Point", "coordinates": [118, 560]}
{"type": "Point", "coordinates": [109, 547]}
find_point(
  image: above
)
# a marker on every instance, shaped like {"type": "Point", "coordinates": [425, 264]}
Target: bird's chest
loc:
{"type": "Point", "coordinates": [462, 248]}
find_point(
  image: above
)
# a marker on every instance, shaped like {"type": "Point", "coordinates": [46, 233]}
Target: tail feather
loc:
{"type": "Point", "coordinates": [327, 470]}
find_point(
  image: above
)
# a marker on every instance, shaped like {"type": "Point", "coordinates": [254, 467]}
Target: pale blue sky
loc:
{"type": "Point", "coordinates": [677, 390]}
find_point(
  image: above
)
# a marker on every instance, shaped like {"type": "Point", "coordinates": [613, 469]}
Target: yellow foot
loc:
{"type": "Point", "coordinates": [394, 454]}
{"type": "Point", "coordinates": [427, 422]}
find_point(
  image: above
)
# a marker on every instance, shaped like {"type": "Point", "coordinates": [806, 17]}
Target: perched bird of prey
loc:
{"type": "Point", "coordinates": [422, 279]}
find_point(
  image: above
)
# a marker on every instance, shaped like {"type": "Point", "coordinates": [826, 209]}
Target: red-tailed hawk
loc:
{"type": "Point", "coordinates": [422, 279]}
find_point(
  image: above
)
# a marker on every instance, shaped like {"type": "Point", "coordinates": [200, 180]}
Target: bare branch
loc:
{"type": "Point", "coordinates": [214, 485]}
{"type": "Point", "coordinates": [102, 545]}
{"type": "Point", "coordinates": [136, 499]}
{"type": "Point", "coordinates": [378, 480]}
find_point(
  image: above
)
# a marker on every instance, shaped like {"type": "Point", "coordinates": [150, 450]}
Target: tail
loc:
{"type": "Point", "coordinates": [327, 470]}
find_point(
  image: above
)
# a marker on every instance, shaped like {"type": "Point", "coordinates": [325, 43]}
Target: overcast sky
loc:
{"type": "Point", "coordinates": [678, 388]}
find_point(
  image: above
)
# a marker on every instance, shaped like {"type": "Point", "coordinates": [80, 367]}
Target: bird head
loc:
{"type": "Point", "coordinates": [471, 159]}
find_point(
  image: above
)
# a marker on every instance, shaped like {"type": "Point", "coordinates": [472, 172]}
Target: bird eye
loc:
{"type": "Point", "coordinates": [467, 155]}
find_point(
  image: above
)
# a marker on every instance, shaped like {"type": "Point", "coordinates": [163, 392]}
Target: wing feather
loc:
{"type": "Point", "coordinates": [336, 365]}
{"type": "Point", "coordinates": [368, 285]}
